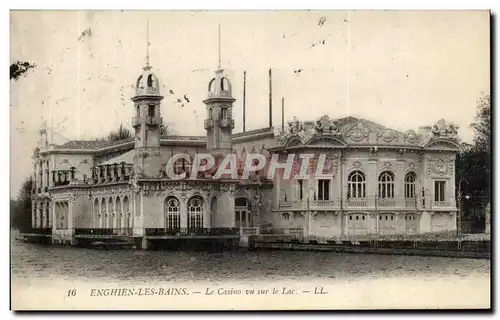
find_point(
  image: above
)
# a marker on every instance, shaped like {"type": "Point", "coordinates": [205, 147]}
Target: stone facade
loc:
{"type": "Point", "coordinates": [382, 182]}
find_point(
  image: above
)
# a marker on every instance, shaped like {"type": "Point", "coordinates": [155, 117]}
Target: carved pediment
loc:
{"type": "Point", "coordinates": [326, 141]}
{"type": "Point", "coordinates": [443, 129]}
{"type": "Point", "coordinates": [387, 135]}
{"type": "Point", "coordinates": [293, 142]}
{"type": "Point", "coordinates": [358, 132]}
{"type": "Point", "coordinates": [442, 144]}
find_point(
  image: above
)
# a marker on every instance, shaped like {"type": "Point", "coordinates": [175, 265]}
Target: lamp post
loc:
{"type": "Point", "coordinates": [309, 189]}
{"type": "Point", "coordinates": [459, 215]}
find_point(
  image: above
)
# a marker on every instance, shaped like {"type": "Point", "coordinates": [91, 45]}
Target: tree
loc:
{"type": "Point", "coordinates": [473, 169]}
{"type": "Point", "coordinates": [17, 69]}
{"type": "Point", "coordinates": [120, 134]}
{"type": "Point", "coordinates": [482, 125]}
{"type": "Point", "coordinates": [20, 210]}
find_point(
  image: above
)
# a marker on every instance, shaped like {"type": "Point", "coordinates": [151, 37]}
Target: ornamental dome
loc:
{"type": "Point", "coordinates": [147, 84]}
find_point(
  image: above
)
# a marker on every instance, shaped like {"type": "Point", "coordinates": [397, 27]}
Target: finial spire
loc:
{"type": "Point", "coordinates": [147, 67]}
{"type": "Point", "coordinates": [218, 40]}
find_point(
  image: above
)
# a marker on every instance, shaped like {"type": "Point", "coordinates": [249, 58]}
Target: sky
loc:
{"type": "Point", "coordinates": [402, 69]}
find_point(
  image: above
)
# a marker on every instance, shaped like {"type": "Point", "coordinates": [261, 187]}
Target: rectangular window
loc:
{"type": "Point", "coordinates": [151, 110]}
{"type": "Point", "coordinates": [323, 189]}
{"type": "Point", "coordinates": [439, 190]}
{"type": "Point", "coordinates": [224, 113]}
{"type": "Point", "coordinates": [301, 189]}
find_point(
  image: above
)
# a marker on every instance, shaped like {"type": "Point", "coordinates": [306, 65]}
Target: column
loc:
{"type": "Point", "coordinates": [371, 183]}
{"type": "Point", "coordinates": [33, 214]}
{"type": "Point", "coordinates": [343, 187]}
{"type": "Point", "coordinates": [206, 213]}
{"type": "Point", "coordinates": [346, 223]}
{"type": "Point", "coordinates": [34, 186]}
{"type": "Point", "coordinates": [54, 215]}
{"type": "Point", "coordinates": [49, 214]}
{"type": "Point", "coordinates": [43, 222]}
{"type": "Point", "coordinates": [40, 175]}
{"type": "Point", "coordinates": [39, 215]}
{"type": "Point", "coordinates": [399, 184]}
{"type": "Point", "coordinates": [277, 190]}
{"type": "Point", "coordinates": [183, 211]}
{"type": "Point", "coordinates": [70, 205]}
{"type": "Point", "coordinates": [35, 176]}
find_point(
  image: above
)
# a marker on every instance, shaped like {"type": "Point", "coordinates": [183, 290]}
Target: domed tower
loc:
{"type": "Point", "coordinates": [219, 123]}
{"type": "Point", "coordinates": [147, 123]}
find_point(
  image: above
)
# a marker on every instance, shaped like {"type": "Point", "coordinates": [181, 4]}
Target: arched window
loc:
{"type": "Point", "coordinates": [410, 179]}
{"type": "Point", "coordinates": [182, 165]}
{"type": "Point", "coordinates": [210, 85]}
{"type": "Point", "coordinates": [150, 81]}
{"type": "Point", "coordinates": [356, 185]}
{"type": "Point", "coordinates": [172, 215]}
{"type": "Point", "coordinates": [138, 81]}
{"type": "Point", "coordinates": [386, 185]}
{"type": "Point", "coordinates": [195, 214]}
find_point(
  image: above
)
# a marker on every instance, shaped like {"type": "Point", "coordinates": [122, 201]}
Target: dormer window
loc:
{"type": "Point", "coordinates": [151, 110]}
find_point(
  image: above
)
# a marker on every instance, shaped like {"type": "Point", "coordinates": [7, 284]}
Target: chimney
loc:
{"type": "Point", "coordinates": [270, 99]}
{"type": "Point", "coordinates": [244, 96]}
{"type": "Point", "coordinates": [283, 114]}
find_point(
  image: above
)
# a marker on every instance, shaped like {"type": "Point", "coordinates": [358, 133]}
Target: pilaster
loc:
{"type": "Point", "coordinates": [371, 183]}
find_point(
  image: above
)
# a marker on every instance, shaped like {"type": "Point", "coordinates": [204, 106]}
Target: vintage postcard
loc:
{"type": "Point", "coordinates": [250, 160]}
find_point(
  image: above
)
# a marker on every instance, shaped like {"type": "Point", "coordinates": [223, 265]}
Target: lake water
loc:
{"type": "Point", "coordinates": [36, 266]}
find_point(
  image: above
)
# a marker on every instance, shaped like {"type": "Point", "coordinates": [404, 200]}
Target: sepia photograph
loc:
{"type": "Point", "coordinates": [250, 160]}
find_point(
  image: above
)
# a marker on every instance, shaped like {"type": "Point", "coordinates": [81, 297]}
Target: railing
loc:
{"type": "Point", "coordinates": [372, 202]}
{"type": "Point", "coordinates": [249, 231]}
{"type": "Point", "coordinates": [326, 203]}
{"type": "Point", "coordinates": [192, 231]}
{"type": "Point", "coordinates": [385, 203]}
{"type": "Point", "coordinates": [153, 120]}
{"type": "Point", "coordinates": [227, 123]}
{"type": "Point", "coordinates": [103, 231]}
{"type": "Point", "coordinates": [441, 204]}
{"type": "Point", "coordinates": [410, 203]}
{"type": "Point", "coordinates": [44, 231]}
{"type": "Point", "coordinates": [293, 204]}
{"type": "Point", "coordinates": [353, 202]}
{"type": "Point", "coordinates": [209, 124]}
{"type": "Point", "coordinates": [61, 183]}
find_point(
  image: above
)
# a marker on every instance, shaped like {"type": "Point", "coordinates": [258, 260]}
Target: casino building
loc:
{"type": "Point", "coordinates": [383, 182]}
